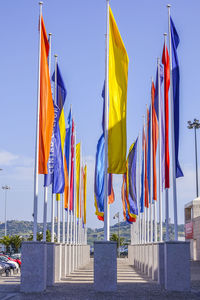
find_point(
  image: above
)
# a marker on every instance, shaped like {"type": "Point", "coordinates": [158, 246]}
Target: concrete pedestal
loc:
{"type": "Point", "coordinates": [34, 267]}
{"type": "Point", "coordinates": [50, 264]}
{"type": "Point", "coordinates": [75, 258]}
{"type": "Point", "coordinates": [150, 260]}
{"type": "Point", "coordinates": [72, 258]}
{"type": "Point", "coordinates": [105, 266]}
{"type": "Point", "coordinates": [177, 266]}
{"type": "Point", "coordinates": [130, 255]}
{"type": "Point", "coordinates": [146, 258]}
{"type": "Point", "coordinates": [63, 260]}
{"type": "Point", "coordinates": [155, 262]}
{"type": "Point", "coordinates": [57, 269]}
{"type": "Point", "coordinates": [161, 265]}
{"type": "Point", "coordinates": [68, 259]}
{"type": "Point", "coordinates": [86, 254]}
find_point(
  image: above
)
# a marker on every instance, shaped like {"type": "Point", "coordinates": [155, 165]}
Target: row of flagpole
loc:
{"type": "Point", "coordinates": [147, 231]}
{"type": "Point", "coordinates": [72, 231]}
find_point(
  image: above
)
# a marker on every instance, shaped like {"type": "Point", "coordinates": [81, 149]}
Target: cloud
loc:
{"type": "Point", "coordinates": [7, 158]}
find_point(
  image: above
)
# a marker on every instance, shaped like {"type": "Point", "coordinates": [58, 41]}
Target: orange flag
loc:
{"type": "Point", "coordinates": [46, 117]}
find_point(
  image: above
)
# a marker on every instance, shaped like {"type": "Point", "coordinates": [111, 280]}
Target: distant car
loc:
{"type": "Point", "coordinates": [6, 268]}
{"type": "Point", "coordinates": [14, 266]}
{"type": "Point", "coordinates": [18, 261]}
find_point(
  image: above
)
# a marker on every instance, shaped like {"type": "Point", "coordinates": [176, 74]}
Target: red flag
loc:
{"type": "Point", "coordinates": [46, 117]}
{"type": "Point", "coordinates": [111, 195]}
{"type": "Point", "coordinates": [66, 190]}
{"type": "Point", "coordinates": [72, 169]}
{"type": "Point", "coordinates": [165, 61]}
{"type": "Point", "coordinates": [146, 194]}
{"type": "Point", "coordinates": [154, 140]}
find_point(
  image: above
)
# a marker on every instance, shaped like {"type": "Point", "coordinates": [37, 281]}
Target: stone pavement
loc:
{"type": "Point", "coordinates": [79, 285]}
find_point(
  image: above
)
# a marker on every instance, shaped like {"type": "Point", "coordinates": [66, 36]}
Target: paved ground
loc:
{"type": "Point", "coordinates": [131, 285]}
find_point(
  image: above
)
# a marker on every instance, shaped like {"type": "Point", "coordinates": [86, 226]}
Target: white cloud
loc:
{"type": "Point", "coordinates": [7, 158]}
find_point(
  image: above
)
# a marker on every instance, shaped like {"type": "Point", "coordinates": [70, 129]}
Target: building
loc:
{"type": "Point", "coordinates": [192, 227]}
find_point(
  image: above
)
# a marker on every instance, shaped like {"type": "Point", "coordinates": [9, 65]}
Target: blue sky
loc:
{"type": "Point", "coordinates": [78, 29]}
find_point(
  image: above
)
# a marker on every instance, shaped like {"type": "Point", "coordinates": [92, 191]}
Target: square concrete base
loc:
{"type": "Point", "coordinates": [161, 265]}
{"type": "Point", "coordinates": [50, 264]}
{"type": "Point", "coordinates": [177, 266]}
{"type": "Point", "coordinates": [33, 269]}
{"type": "Point", "coordinates": [105, 266]}
{"type": "Point", "coordinates": [63, 261]}
{"type": "Point", "coordinates": [57, 269]}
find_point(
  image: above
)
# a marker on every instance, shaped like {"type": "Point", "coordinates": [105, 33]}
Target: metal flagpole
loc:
{"type": "Point", "coordinates": [106, 206]}
{"type": "Point", "coordinates": [79, 213]}
{"type": "Point", "coordinates": [69, 178]}
{"type": "Point", "coordinates": [63, 219]}
{"type": "Point", "coordinates": [151, 177]}
{"type": "Point", "coordinates": [144, 213]}
{"type": "Point", "coordinates": [172, 133]}
{"type": "Point", "coordinates": [160, 159]}
{"type": "Point", "coordinates": [35, 204]}
{"type": "Point", "coordinates": [166, 193]}
{"type": "Point", "coordinates": [45, 187]}
{"type": "Point", "coordinates": [139, 215]}
{"type": "Point", "coordinates": [52, 218]}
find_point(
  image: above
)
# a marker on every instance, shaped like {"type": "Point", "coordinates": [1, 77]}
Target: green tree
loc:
{"type": "Point", "coordinates": [40, 236]}
{"type": "Point", "coordinates": [114, 237]}
{"type": "Point", "coordinates": [16, 242]}
{"type": "Point", "coordinates": [6, 241]}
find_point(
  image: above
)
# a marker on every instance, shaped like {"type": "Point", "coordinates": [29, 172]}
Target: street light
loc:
{"type": "Point", "coordinates": [5, 187]}
{"type": "Point", "coordinates": [117, 216]}
{"type": "Point", "coordinates": [195, 125]}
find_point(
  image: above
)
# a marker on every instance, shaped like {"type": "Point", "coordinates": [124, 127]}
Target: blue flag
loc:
{"type": "Point", "coordinates": [68, 139]}
{"type": "Point", "coordinates": [99, 173]}
{"type": "Point", "coordinates": [142, 186]}
{"type": "Point", "coordinates": [176, 79]}
{"type": "Point", "coordinates": [132, 193]}
{"type": "Point", "coordinates": [61, 90]}
{"type": "Point", "coordinates": [149, 151]}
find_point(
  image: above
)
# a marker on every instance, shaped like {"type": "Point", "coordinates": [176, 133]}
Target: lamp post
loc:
{"type": "Point", "coordinates": [5, 187]}
{"type": "Point", "coordinates": [117, 216]}
{"type": "Point", "coordinates": [195, 125]}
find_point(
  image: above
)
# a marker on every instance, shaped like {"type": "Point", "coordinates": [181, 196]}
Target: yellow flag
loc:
{"type": "Point", "coordinates": [78, 147]}
{"type": "Point", "coordinates": [85, 192]}
{"type": "Point", "coordinates": [62, 128]}
{"type": "Point", "coordinates": [118, 78]}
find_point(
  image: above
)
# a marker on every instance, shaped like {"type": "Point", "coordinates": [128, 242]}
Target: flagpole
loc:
{"type": "Point", "coordinates": [147, 208]}
{"type": "Point", "coordinates": [172, 132]}
{"type": "Point", "coordinates": [79, 213]}
{"type": "Point", "coordinates": [106, 208]}
{"type": "Point", "coordinates": [52, 218]}
{"type": "Point", "coordinates": [166, 191]}
{"type": "Point", "coordinates": [144, 213]}
{"type": "Point", "coordinates": [151, 170]}
{"type": "Point", "coordinates": [63, 219]}
{"type": "Point", "coordinates": [45, 187]}
{"type": "Point", "coordinates": [160, 159]}
{"type": "Point", "coordinates": [139, 228]}
{"type": "Point", "coordinates": [35, 203]}
{"type": "Point", "coordinates": [75, 208]}
{"type": "Point", "coordinates": [69, 178]}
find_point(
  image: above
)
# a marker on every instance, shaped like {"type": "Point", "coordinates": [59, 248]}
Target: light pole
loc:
{"type": "Point", "coordinates": [5, 187]}
{"type": "Point", "coordinates": [195, 125]}
{"type": "Point", "coordinates": [117, 216]}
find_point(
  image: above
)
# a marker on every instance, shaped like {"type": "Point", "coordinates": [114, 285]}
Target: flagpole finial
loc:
{"type": "Point", "coordinates": [55, 55]}
{"type": "Point", "coordinates": [168, 5]}
{"type": "Point", "coordinates": [50, 33]}
{"type": "Point", "coordinates": [40, 3]}
{"type": "Point", "coordinates": [158, 60]}
{"type": "Point", "coordinates": [165, 34]}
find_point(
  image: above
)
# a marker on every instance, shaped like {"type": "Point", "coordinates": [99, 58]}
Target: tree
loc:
{"type": "Point", "coordinates": [6, 241]}
{"type": "Point", "coordinates": [114, 237]}
{"type": "Point", "coordinates": [40, 236]}
{"type": "Point", "coordinates": [16, 242]}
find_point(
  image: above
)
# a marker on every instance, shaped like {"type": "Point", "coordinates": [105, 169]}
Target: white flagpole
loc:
{"type": "Point", "coordinates": [79, 219]}
{"type": "Point", "coordinates": [172, 133]}
{"type": "Point", "coordinates": [106, 208]}
{"type": "Point", "coordinates": [151, 171]}
{"type": "Point", "coordinates": [160, 159]}
{"type": "Point", "coordinates": [69, 177]}
{"type": "Point", "coordinates": [35, 203]}
{"type": "Point", "coordinates": [52, 218]}
{"type": "Point", "coordinates": [63, 219]}
{"type": "Point", "coordinates": [45, 187]}
{"type": "Point", "coordinates": [144, 213]}
{"type": "Point", "coordinates": [139, 215]}
{"type": "Point", "coordinates": [166, 193]}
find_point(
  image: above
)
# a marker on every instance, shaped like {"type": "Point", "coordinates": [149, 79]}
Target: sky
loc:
{"type": "Point", "coordinates": [78, 38]}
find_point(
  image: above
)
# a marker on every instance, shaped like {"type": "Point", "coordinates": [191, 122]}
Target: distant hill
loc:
{"type": "Point", "coordinates": [25, 228]}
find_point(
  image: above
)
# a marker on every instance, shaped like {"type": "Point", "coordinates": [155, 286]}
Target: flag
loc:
{"type": "Point", "coordinates": [154, 140]}
{"type": "Point", "coordinates": [142, 173]}
{"type": "Point", "coordinates": [72, 168]}
{"type": "Point", "coordinates": [85, 192]}
{"type": "Point", "coordinates": [99, 174]}
{"type": "Point", "coordinates": [175, 79]}
{"type": "Point", "coordinates": [146, 188]}
{"type": "Point", "coordinates": [129, 218]}
{"type": "Point", "coordinates": [46, 116]}
{"type": "Point", "coordinates": [149, 149]}
{"type": "Point", "coordinates": [66, 189]}
{"type": "Point", "coordinates": [78, 157]}
{"type": "Point", "coordinates": [131, 181]}
{"type": "Point", "coordinates": [111, 195]}
{"type": "Point", "coordinates": [165, 61]}
{"type": "Point", "coordinates": [156, 105]}
{"type": "Point", "coordinates": [118, 77]}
